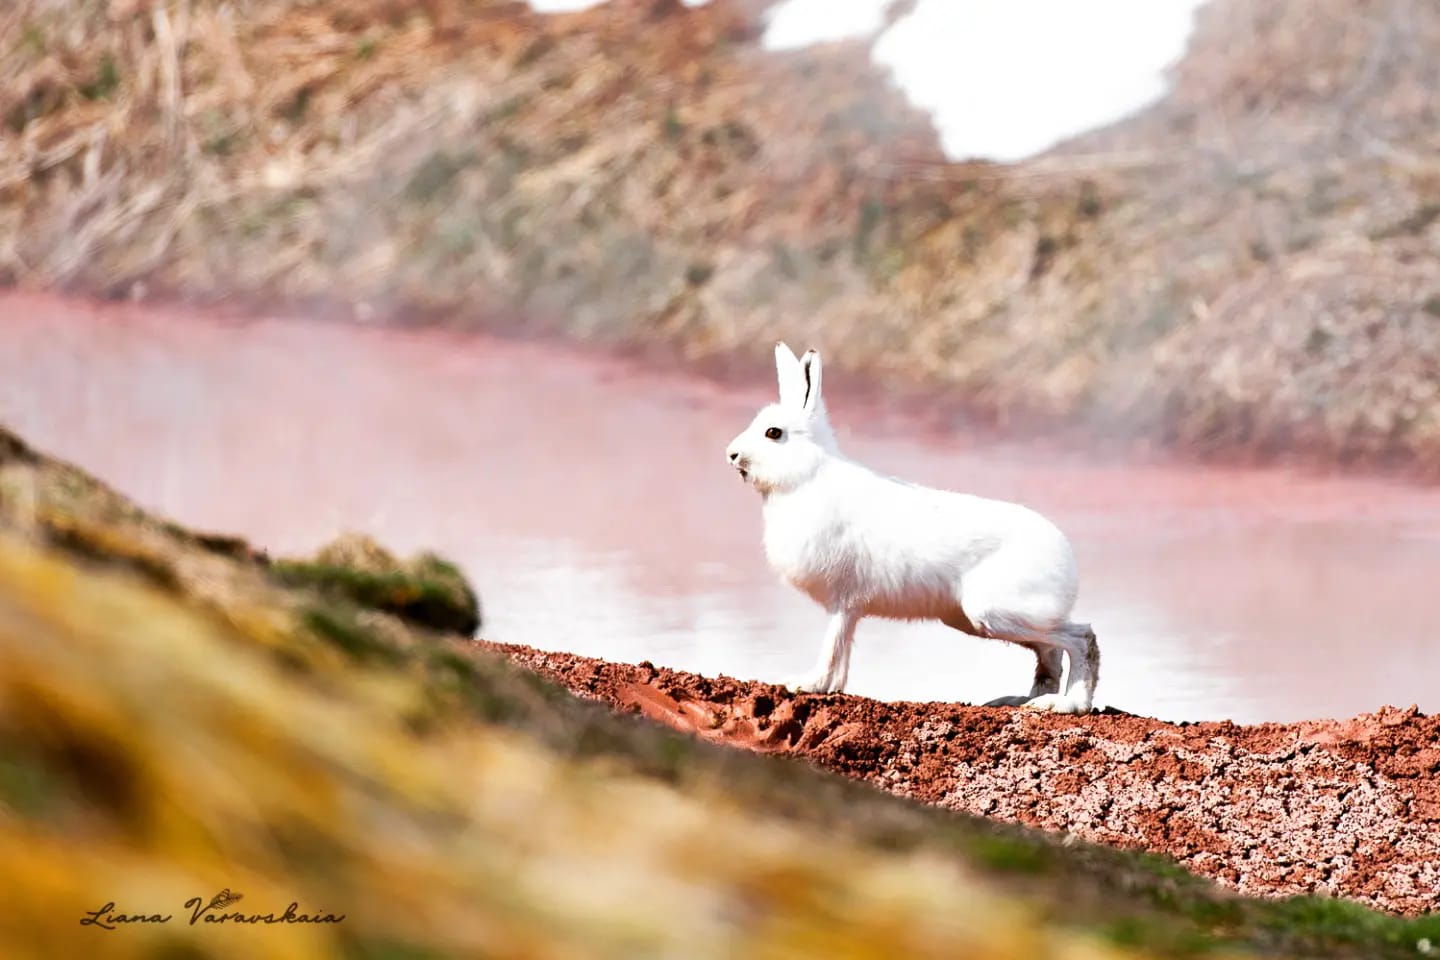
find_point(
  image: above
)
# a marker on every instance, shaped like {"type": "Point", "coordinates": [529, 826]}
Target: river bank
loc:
{"type": "Point", "coordinates": [1232, 273]}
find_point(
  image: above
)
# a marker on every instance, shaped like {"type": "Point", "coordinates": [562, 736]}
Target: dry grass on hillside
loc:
{"type": "Point", "coordinates": [1249, 266]}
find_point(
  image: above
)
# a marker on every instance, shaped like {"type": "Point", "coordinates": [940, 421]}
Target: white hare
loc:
{"type": "Point", "coordinates": [861, 544]}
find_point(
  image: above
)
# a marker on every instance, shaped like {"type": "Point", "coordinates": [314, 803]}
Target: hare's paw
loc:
{"type": "Point", "coordinates": [1056, 703]}
{"type": "Point", "coordinates": [812, 683]}
{"type": "Point", "coordinates": [1015, 701]}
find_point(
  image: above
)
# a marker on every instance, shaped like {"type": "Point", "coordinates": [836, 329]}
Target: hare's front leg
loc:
{"type": "Point", "coordinates": [832, 669]}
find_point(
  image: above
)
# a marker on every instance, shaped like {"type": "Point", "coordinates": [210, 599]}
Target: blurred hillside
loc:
{"type": "Point", "coordinates": [1249, 266]}
{"type": "Point", "coordinates": [181, 716]}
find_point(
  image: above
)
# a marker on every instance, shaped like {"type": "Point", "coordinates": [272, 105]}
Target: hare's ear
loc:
{"type": "Point", "coordinates": [810, 368]}
{"type": "Point", "coordinates": [791, 377]}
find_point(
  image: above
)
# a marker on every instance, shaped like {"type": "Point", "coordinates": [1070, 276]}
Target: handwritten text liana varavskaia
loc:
{"type": "Point", "coordinates": [109, 917]}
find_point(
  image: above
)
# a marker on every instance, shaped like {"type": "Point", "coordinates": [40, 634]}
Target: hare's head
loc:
{"type": "Point", "coordinates": [787, 441]}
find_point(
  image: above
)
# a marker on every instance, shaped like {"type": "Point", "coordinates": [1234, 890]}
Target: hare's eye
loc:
{"type": "Point", "coordinates": [774, 433]}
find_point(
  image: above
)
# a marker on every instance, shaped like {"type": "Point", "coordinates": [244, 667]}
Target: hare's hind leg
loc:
{"type": "Point", "coordinates": [1049, 658]}
{"type": "Point", "coordinates": [1049, 664]}
{"type": "Point", "coordinates": [832, 669]}
{"type": "Point", "coordinates": [1080, 645]}
{"type": "Point", "coordinates": [1075, 641]}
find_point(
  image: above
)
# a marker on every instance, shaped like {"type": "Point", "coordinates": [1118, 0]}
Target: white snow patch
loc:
{"type": "Point", "coordinates": [1002, 79]}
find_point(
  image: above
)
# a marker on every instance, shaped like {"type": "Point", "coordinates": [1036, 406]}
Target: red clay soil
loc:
{"type": "Point", "coordinates": [1348, 808]}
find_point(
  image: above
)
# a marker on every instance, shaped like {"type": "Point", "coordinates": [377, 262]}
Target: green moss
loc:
{"type": "Point", "coordinates": [344, 630]}
{"type": "Point", "coordinates": [1012, 854]}
{"type": "Point", "coordinates": [1323, 921]}
{"type": "Point", "coordinates": [432, 594]}
{"type": "Point", "coordinates": [454, 664]}
{"type": "Point", "coordinates": [1159, 935]}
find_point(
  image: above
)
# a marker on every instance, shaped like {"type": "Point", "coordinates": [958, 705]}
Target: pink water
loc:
{"type": "Point", "coordinates": [588, 499]}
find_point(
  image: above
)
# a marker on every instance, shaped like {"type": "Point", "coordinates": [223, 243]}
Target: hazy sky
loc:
{"type": "Point", "coordinates": [1003, 79]}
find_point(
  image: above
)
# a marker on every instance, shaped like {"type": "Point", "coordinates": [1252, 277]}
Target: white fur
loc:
{"type": "Point", "coordinates": [865, 545]}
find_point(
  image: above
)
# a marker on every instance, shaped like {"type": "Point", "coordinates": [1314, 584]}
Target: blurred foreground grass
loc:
{"type": "Point", "coordinates": [179, 716]}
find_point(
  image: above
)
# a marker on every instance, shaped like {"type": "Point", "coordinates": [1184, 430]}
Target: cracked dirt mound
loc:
{"type": "Point", "coordinates": [1349, 808]}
